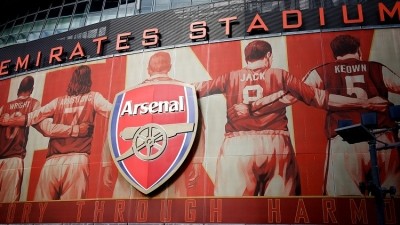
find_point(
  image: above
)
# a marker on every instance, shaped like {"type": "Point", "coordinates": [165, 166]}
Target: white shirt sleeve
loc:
{"type": "Point", "coordinates": [48, 129]}
{"type": "Point", "coordinates": [42, 113]}
{"type": "Point", "coordinates": [102, 105]}
{"type": "Point", "coordinates": [313, 79]}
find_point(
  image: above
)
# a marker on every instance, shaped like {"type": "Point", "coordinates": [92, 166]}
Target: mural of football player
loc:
{"type": "Point", "coordinates": [13, 140]}
{"type": "Point", "coordinates": [348, 165]}
{"type": "Point", "coordinates": [257, 157]}
{"type": "Point", "coordinates": [158, 69]}
{"type": "Point", "coordinates": [268, 167]}
{"type": "Point", "coordinates": [65, 173]}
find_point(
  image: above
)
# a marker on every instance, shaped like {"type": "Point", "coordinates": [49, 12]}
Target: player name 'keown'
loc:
{"type": "Point", "coordinates": [351, 68]}
{"type": "Point", "coordinates": [132, 109]}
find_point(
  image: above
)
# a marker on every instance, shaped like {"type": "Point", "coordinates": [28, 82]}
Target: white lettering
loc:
{"type": "Point", "coordinates": [364, 67]}
{"type": "Point", "coordinates": [132, 109]}
{"type": "Point", "coordinates": [174, 106]}
{"type": "Point", "coordinates": [127, 108]}
{"type": "Point", "coordinates": [252, 77]}
{"type": "Point", "coordinates": [181, 105]}
{"type": "Point", "coordinates": [163, 106]}
{"type": "Point", "coordinates": [74, 99]}
{"type": "Point", "coordinates": [136, 109]}
{"type": "Point", "coordinates": [144, 108]}
{"type": "Point", "coordinates": [19, 105]}
{"type": "Point", "coordinates": [153, 107]}
{"type": "Point", "coordinates": [351, 68]}
{"type": "Point", "coordinates": [337, 69]}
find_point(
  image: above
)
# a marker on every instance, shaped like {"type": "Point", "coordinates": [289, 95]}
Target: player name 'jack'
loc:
{"type": "Point", "coordinates": [132, 109]}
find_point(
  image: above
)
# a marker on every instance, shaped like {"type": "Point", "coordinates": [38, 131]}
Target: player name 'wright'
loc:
{"type": "Point", "coordinates": [132, 109]}
{"type": "Point", "coordinates": [20, 105]}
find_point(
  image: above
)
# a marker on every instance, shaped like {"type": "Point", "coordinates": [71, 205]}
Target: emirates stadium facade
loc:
{"type": "Point", "coordinates": [200, 112]}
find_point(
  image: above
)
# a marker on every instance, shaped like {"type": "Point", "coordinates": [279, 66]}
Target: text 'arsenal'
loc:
{"type": "Point", "coordinates": [132, 109]}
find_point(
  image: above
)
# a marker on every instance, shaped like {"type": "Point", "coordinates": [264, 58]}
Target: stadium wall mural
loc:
{"type": "Point", "coordinates": [255, 144]}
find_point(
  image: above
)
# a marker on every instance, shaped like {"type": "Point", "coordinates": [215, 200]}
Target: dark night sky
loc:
{"type": "Point", "coordinates": [16, 8]}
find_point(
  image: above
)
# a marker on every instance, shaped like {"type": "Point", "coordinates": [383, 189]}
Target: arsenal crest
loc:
{"type": "Point", "coordinates": [152, 128]}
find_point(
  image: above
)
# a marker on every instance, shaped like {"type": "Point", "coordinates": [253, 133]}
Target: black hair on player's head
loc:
{"type": "Point", "coordinates": [26, 84]}
{"type": "Point", "coordinates": [344, 44]}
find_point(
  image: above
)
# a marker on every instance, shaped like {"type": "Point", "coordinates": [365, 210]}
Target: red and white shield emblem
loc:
{"type": "Point", "coordinates": [152, 128]}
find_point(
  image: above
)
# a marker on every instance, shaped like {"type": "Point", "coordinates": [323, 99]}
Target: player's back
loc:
{"type": "Point", "coordinates": [13, 139]}
{"type": "Point", "coordinates": [246, 86]}
{"type": "Point", "coordinates": [353, 78]}
{"type": "Point", "coordinates": [73, 110]}
{"type": "Point", "coordinates": [356, 79]}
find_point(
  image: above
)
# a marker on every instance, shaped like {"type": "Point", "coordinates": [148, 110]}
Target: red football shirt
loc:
{"type": "Point", "coordinates": [247, 86]}
{"type": "Point", "coordinates": [71, 110]}
{"type": "Point", "coordinates": [13, 139]}
{"type": "Point", "coordinates": [351, 78]}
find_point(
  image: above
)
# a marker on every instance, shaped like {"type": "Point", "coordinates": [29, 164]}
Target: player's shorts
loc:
{"type": "Point", "coordinates": [257, 163]}
{"type": "Point", "coordinates": [11, 171]}
{"type": "Point", "coordinates": [349, 167]}
{"type": "Point", "coordinates": [63, 177]}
